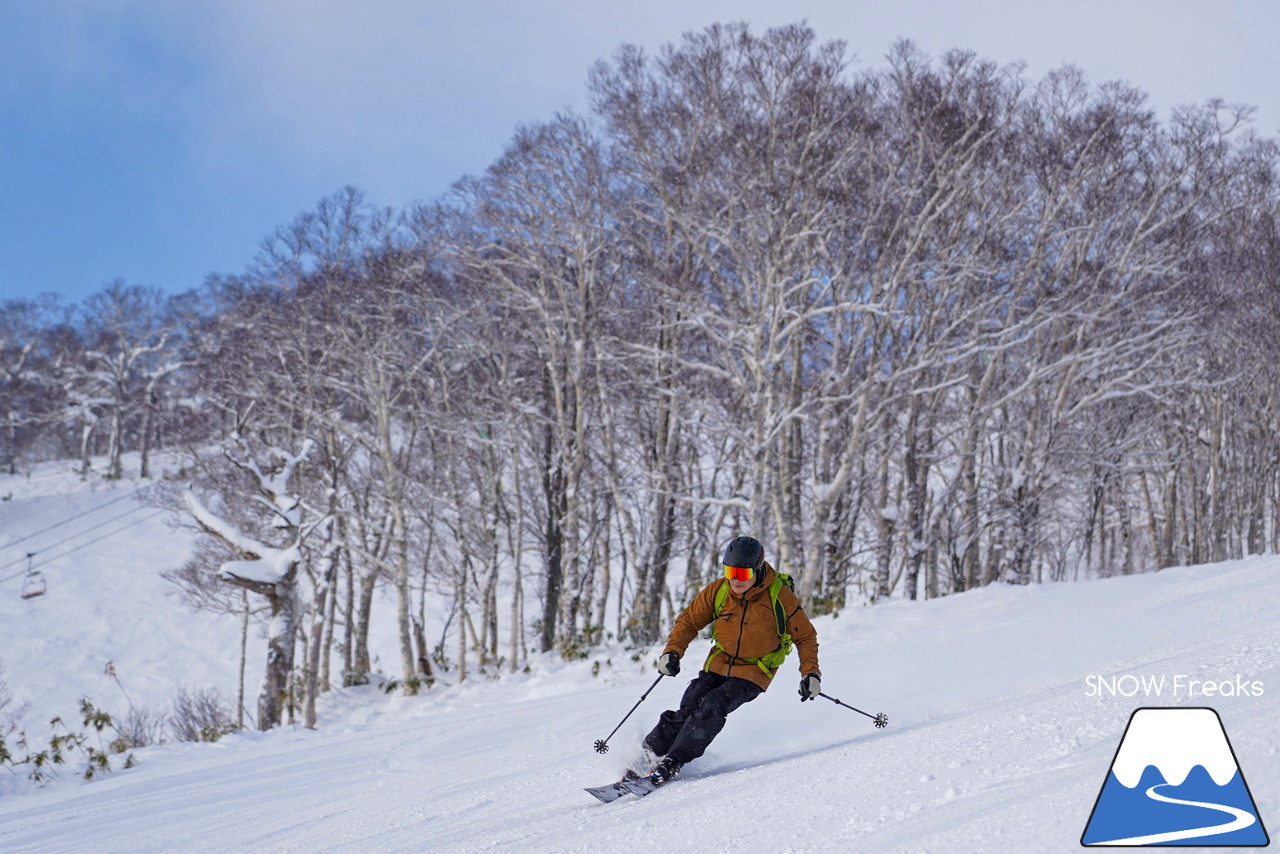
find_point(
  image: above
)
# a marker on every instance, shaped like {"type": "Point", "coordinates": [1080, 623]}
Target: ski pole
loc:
{"type": "Point", "coordinates": [881, 720]}
{"type": "Point", "coordinates": [603, 746]}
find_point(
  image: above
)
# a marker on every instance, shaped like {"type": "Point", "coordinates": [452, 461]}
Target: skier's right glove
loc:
{"type": "Point", "coordinates": [810, 687]}
{"type": "Point", "coordinates": [669, 663]}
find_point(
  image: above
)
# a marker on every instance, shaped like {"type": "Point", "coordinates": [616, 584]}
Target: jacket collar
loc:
{"type": "Point", "coordinates": [766, 578]}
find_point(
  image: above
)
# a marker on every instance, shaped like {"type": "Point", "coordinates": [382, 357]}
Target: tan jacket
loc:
{"type": "Point", "coordinates": [747, 628]}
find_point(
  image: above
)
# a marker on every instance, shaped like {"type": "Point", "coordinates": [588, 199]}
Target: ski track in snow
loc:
{"type": "Point", "coordinates": [993, 743]}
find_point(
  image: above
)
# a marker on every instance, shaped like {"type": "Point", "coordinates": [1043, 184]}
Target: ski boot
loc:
{"type": "Point", "coordinates": [648, 759]}
{"type": "Point", "coordinates": [666, 770]}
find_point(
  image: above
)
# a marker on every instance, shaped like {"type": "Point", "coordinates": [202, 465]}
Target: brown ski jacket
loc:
{"type": "Point", "coordinates": [747, 629]}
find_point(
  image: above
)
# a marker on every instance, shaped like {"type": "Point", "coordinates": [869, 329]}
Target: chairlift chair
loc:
{"type": "Point", "coordinates": [33, 584]}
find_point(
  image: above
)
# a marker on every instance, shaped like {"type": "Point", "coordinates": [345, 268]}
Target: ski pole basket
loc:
{"type": "Point", "coordinates": [881, 720]}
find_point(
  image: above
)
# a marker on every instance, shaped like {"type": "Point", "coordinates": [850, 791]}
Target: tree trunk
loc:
{"type": "Point", "coordinates": [148, 422]}
{"type": "Point", "coordinates": [316, 645]}
{"type": "Point", "coordinates": [244, 657]}
{"type": "Point", "coordinates": [553, 490]}
{"type": "Point", "coordinates": [275, 686]}
{"type": "Point", "coordinates": [886, 519]}
{"type": "Point", "coordinates": [361, 663]}
{"type": "Point", "coordinates": [425, 671]}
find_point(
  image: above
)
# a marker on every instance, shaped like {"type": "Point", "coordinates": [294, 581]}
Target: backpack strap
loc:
{"type": "Point", "coordinates": [722, 593]}
{"type": "Point", "coordinates": [769, 662]}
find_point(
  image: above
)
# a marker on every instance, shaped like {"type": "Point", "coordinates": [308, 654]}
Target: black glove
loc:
{"type": "Point", "coordinates": [810, 687]}
{"type": "Point", "coordinates": [669, 663]}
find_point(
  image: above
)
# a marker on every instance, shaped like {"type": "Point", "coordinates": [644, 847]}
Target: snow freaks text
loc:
{"type": "Point", "coordinates": [1176, 686]}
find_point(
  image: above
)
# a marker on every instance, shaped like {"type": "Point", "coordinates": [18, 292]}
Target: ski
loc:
{"type": "Point", "coordinates": [641, 787]}
{"type": "Point", "coordinates": [610, 793]}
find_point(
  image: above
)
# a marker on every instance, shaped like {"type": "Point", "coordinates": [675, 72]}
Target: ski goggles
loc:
{"type": "Point", "coordinates": [739, 573]}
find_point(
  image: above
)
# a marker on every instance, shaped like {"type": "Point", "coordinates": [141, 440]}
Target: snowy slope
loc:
{"type": "Point", "coordinates": [994, 744]}
{"type": "Point", "coordinates": [105, 601]}
{"type": "Point", "coordinates": [101, 551]}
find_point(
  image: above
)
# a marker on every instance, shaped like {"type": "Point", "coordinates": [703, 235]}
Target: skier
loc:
{"type": "Point", "coordinates": [757, 618]}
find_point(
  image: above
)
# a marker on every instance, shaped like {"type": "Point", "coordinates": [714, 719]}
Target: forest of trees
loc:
{"type": "Point", "coordinates": [920, 328]}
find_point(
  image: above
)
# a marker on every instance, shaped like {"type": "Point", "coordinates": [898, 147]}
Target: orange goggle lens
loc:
{"type": "Point", "coordinates": [739, 573]}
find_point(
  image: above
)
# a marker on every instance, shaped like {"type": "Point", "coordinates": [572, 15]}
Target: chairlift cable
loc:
{"type": "Point", "coordinates": [77, 534]}
{"type": "Point", "coordinates": [122, 528]}
{"type": "Point", "coordinates": [70, 519]}
{"type": "Point", "coordinates": [49, 560]}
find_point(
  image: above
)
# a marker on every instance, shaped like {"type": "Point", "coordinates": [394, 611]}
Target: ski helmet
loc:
{"type": "Point", "coordinates": [745, 551]}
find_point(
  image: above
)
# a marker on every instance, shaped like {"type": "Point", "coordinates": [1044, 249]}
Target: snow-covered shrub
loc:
{"type": "Point", "coordinates": [200, 714]}
{"type": "Point", "coordinates": [65, 743]}
{"type": "Point", "coordinates": [10, 714]}
{"type": "Point", "coordinates": [142, 726]}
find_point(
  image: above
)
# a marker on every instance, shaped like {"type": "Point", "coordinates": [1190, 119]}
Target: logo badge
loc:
{"type": "Point", "coordinates": [1175, 781]}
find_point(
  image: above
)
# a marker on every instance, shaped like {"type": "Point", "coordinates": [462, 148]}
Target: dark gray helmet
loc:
{"type": "Point", "coordinates": [744, 551]}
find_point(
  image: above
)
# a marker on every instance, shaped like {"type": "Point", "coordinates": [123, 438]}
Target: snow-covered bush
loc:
{"type": "Point", "coordinates": [64, 745]}
{"type": "Point", "coordinates": [142, 726]}
{"type": "Point", "coordinates": [200, 714]}
{"type": "Point", "coordinates": [10, 714]}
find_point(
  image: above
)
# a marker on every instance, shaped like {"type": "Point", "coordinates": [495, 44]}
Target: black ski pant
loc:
{"type": "Point", "coordinates": [683, 734]}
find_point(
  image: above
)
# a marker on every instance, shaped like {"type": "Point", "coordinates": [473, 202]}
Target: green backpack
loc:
{"type": "Point", "coordinates": [769, 662]}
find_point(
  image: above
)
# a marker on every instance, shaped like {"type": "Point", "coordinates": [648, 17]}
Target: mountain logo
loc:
{"type": "Point", "coordinates": [1175, 781]}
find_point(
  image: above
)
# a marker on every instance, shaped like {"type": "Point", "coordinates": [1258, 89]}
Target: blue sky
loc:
{"type": "Point", "coordinates": [160, 141]}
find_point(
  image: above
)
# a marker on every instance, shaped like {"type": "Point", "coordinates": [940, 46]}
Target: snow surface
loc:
{"type": "Point", "coordinates": [995, 743]}
{"type": "Point", "coordinates": [105, 602]}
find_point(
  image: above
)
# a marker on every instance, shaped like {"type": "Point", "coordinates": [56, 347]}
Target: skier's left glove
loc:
{"type": "Point", "coordinates": [810, 687]}
{"type": "Point", "coordinates": [669, 663]}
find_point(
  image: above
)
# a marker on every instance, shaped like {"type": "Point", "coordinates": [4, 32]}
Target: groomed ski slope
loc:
{"type": "Point", "coordinates": [994, 743]}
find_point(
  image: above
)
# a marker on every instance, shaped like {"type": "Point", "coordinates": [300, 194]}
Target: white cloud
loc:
{"type": "Point", "coordinates": [402, 97]}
